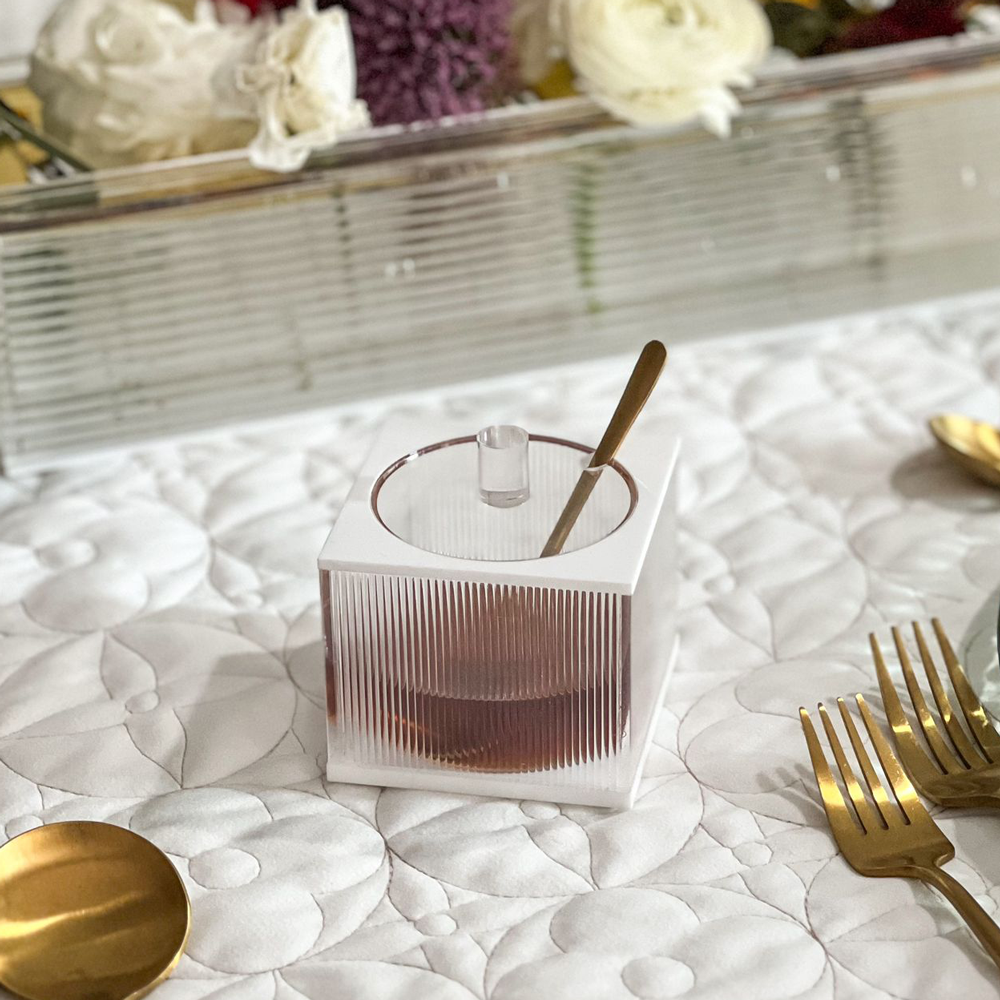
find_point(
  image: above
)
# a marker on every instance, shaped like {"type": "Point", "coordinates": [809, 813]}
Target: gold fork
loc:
{"type": "Point", "coordinates": [960, 772]}
{"type": "Point", "coordinates": [890, 838]}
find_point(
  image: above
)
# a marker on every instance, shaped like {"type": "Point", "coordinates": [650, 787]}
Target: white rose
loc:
{"type": "Point", "coordinates": [129, 81]}
{"type": "Point", "coordinates": [121, 37]}
{"type": "Point", "coordinates": [984, 18]}
{"type": "Point", "coordinates": [656, 62]}
{"type": "Point", "coordinates": [304, 82]}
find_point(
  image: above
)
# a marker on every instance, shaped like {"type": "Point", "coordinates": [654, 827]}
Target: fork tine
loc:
{"type": "Point", "coordinates": [948, 761]}
{"type": "Point", "coordinates": [901, 787]}
{"type": "Point", "coordinates": [971, 756]}
{"type": "Point", "coordinates": [867, 816]}
{"type": "Point", "coordinates": [837, 812]}
{"type": "Point", "coordinates": [889, 813]}
{"type": "Point", "coordinates": [975, 714]}
{"type": "Point", "coordinates": [915, 758]}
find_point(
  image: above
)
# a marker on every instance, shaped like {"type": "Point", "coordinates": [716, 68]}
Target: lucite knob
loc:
{"type": "Point", "coordinates": [503, 465]}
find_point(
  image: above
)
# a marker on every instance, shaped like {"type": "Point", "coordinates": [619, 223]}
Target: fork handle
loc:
{"type": "Point", "coordinates": [980, 922]}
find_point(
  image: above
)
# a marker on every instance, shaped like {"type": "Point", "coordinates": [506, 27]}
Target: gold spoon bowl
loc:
{"type": "Point", "coordinates": [88, 911]}
{"type": "Point", "coordinates": [972, 443]}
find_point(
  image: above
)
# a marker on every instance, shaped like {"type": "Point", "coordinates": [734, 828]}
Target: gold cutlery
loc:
{"type": "Point", "coordinates": [888, 837]}
{"type": "Point", "coordinates": [88, 911]}
{"type": "Point", "coordinates": [963, 768]}
{"type": "Point", "coordinates": [641, 383]}
{"type": "Point", "coordinates": [971, 443]}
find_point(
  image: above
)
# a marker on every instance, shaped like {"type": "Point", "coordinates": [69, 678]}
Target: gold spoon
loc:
{"type": "Point", "coordinates": [973, 444]}
{"type": "Point", "coordinates": [88, 911]}
{"type": "Point", "coordinates": [643, 380]}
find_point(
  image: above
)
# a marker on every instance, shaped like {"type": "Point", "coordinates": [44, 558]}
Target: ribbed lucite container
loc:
{"type": "Point", "coordinates": [143, 302]}
{"type": "Point", "coordinates": [459, 660]}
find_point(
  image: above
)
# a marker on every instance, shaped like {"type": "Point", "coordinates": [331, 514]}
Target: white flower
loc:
{"type": "Point", "coordinates": [303, 80]}
{"type": "Point", "coordinates": [984, 18]}
{"type": "Point", "coordinates": [655, 62]}
{"type": "Point", "coordinates": [128, 81]}
{"type": "Point", "coordinates": [121, 37]}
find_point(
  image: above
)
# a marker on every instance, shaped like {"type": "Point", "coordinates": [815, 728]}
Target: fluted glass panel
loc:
{"type": "Point", "coordinates": [138, 303]}
{"type": "Point", "coordinates": [479, 677]}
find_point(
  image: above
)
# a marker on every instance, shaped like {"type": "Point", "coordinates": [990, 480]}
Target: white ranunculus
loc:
{"type": "Point", "coordinates": [303, 81]}
{"type": "Point", "coordinates": [130, 81]}
{"type": "Point", "coordinates": [983, 18]}
{"type": "Point", "coordinates": [656, 62]}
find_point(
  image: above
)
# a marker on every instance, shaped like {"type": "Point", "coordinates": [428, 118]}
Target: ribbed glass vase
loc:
{"type": "Point", "coordinates": [175, 297]}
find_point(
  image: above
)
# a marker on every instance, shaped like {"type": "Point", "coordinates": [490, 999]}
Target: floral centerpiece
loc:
{"type": "Point", "coordinates": [127, 81]}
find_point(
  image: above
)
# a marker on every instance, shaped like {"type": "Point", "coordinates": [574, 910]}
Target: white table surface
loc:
{"type": "Point", "coordinates": [159, 668]}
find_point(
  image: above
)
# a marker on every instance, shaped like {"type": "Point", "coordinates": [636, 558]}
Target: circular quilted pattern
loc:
{"type": "Point", "coordinates": [224, 868]}
{"type": "Point", "coordinates": [145, 701]}
{"type": "Point", "coordinates": [67, 555]}
{"type": "Point", "coordinates": [21, 824]}
{"type": "Point", "coordinates": [436, 925]}
{"type": "Point", "coordinates": [657, 978]}
{"type": "Point", "coordinates": [540, 810]}
{"type": "Point", "coordinates": [161, 668]}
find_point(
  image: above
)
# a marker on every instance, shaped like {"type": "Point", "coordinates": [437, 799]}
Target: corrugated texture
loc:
{"type": "Point", "coordinates": [125, 316]}
{"type": "Point", "coordinates": [479, 677]}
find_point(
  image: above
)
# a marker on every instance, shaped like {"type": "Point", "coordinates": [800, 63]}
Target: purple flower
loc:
{"type": "Point", "coordinates": [423, 59]}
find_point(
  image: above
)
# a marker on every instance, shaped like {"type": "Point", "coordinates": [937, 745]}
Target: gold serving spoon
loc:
{"type": "Point", "coordinates": [644, 377]}
{"type": "Point", "coordinates": [88, 911]}
{"type": "Point", "coordinates": [971, 443]}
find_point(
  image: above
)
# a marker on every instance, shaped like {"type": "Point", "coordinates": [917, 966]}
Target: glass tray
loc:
{"type": "Point", "coordinates": [139, 303]}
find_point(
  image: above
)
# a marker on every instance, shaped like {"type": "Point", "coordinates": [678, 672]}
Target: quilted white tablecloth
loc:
{"type": "Point", "coordinates": [160, 668]}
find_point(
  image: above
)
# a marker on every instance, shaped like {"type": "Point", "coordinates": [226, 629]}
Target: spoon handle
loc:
{"type": "Point", "coordinates": [644, 377]}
